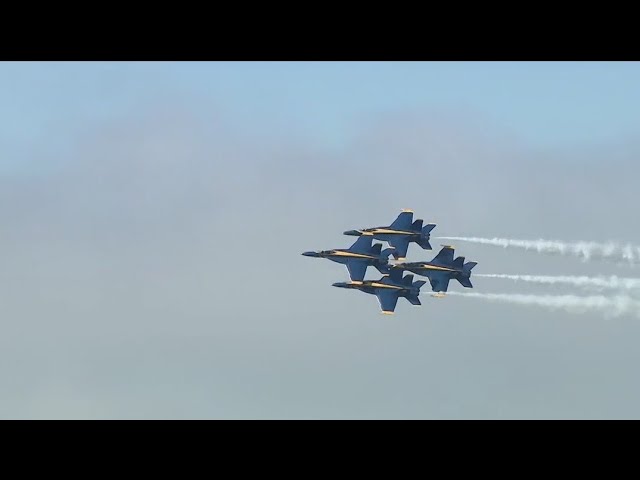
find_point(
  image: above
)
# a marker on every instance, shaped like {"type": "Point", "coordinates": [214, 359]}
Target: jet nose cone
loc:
{"type": "Point", "coordinates": [340, 284]}
{"type": "Point", "coordinates": [353, 233]}
{"type": "Point", "coordinates": [310, 254]}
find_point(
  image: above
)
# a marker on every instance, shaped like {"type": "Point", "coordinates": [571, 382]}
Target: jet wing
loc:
{"type": "Point", "coordinates": [439, 281]}
{"type": "Point", "coordinates": [395, 275]}
{"type": "Point", "coordinates": [403, 222]}
{"type": "Point", "coordinates": [387, 299]}
{"type": "Point", "coordinates": [401, 245]}
{"type": "Point", "coordinates": [357, 270]}
{"type": "Point", "coordinates": [444, 257]}
{"type": "Point", "coordinates": [362, 244]}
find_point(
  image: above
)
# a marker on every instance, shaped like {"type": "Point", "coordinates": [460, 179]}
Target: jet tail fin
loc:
{"type": "Point", "coordinates": [386, 252]}
{"type": "Point", "coordinates": [417, 226]}
{"type": "Point", "coordinates": [426, 230]}
{"type": "Point", "coordinates": [419, 284]}
{"type": "Point", "coordinates": [375, 249]}
{"type": "Point", "coordinates": [424, 236]}
{"type": "Point", "coordinates": [466, 268]}
{"type": "Point", "coordinates": [458, 263]}
{"type": "Point", "coordinates": [464, 279]}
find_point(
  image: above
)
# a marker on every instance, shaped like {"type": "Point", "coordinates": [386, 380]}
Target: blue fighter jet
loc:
{"type": "Point", "coordinates": [400, 233]}
{"type": "Point", "coordinates": [358, 257]}
{"type": "Point", "coordinates": [388, 289]}
{"type": "Point", "coordinates": [441, 269]}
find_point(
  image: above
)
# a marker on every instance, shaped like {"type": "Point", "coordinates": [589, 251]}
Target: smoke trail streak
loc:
{"type": "Point", "coordinates": [610, 306]}
{"type": "Point", "coordinates": [586, 250]}
{"type": "Point", "coordinates": [600, 282]}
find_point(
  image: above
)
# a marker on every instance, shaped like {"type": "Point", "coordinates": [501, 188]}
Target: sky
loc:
{"type": "Point", "coordinates": [153, 216]}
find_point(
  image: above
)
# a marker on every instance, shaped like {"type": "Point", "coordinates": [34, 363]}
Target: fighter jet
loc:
{"type": "Point", "coordinates": [441, 269]}
{"type": "Point", "coordinates": [358, 257]}
{"type": "Point", "coordinates": [400, 233]}
{"type": "Point", "coordinates": [388, 289]}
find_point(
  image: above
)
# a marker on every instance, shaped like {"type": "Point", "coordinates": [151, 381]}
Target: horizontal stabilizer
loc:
{"type": "Point", "coordinates": [424, 243]}
{"type": "Point", "coordinates": [464, 280]}
{"type": "Point", "coordinates": [383, 269]}
{"type": "Point", "coordinates": [414, 300]}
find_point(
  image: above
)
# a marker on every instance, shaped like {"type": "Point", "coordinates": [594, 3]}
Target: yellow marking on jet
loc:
{"type": "Point", "coordinates": [389, 231]}
{"type": "Point", "coordinates": [355, 282]}
{"type": "Point", "coordinates": [384, 285]}
{"type": "Point", "coordinates": [385, 312]}
{"type": "Point", "coordinates": [438, 295]}
{"type": "Point", "coordinates": [433, 267]}
{"type": "Point", "coordinates": [351, 254]}
{"type": "Point", "coordinates": [407, 210]}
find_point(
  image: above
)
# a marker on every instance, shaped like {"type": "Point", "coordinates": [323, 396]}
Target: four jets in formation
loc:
{"type": "Point", "coordinates": [393, 284]}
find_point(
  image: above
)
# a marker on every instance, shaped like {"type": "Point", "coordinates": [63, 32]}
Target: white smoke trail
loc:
{"type": "Point", "coordinates": [600, 282]}
{"type": "Point", "coordinates": [586, 250]}
{"type": "Point", "coordinates": [610, 306]}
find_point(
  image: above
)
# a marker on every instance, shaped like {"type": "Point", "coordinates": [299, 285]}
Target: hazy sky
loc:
{"type": "Point", "coordinates": [153, 216]}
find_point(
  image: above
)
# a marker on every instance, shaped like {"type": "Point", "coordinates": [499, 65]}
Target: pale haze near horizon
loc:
{"type": "Point", "coordinates": [153, 216]}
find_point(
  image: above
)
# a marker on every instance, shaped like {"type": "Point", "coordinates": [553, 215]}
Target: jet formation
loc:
{"type": "Point", "coordinates": [394, 283]}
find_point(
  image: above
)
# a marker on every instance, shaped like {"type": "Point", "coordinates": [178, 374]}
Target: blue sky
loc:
{"type": "Point", "coordinates": [153, 216]}
{"type": "Point", "coordinates": [545, 104]}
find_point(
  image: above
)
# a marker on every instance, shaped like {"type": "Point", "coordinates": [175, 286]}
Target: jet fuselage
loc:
{"type": "Point", "coordinates": [370, 286]}
{"type": "Point", "coordinates": [385, 233]}
{"type": "Point", "coordinates": [385, 284]}
{"type": "Point", "coordinates": [425, 268]}
{"type": "Point", "coordinates": [342, 255]}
